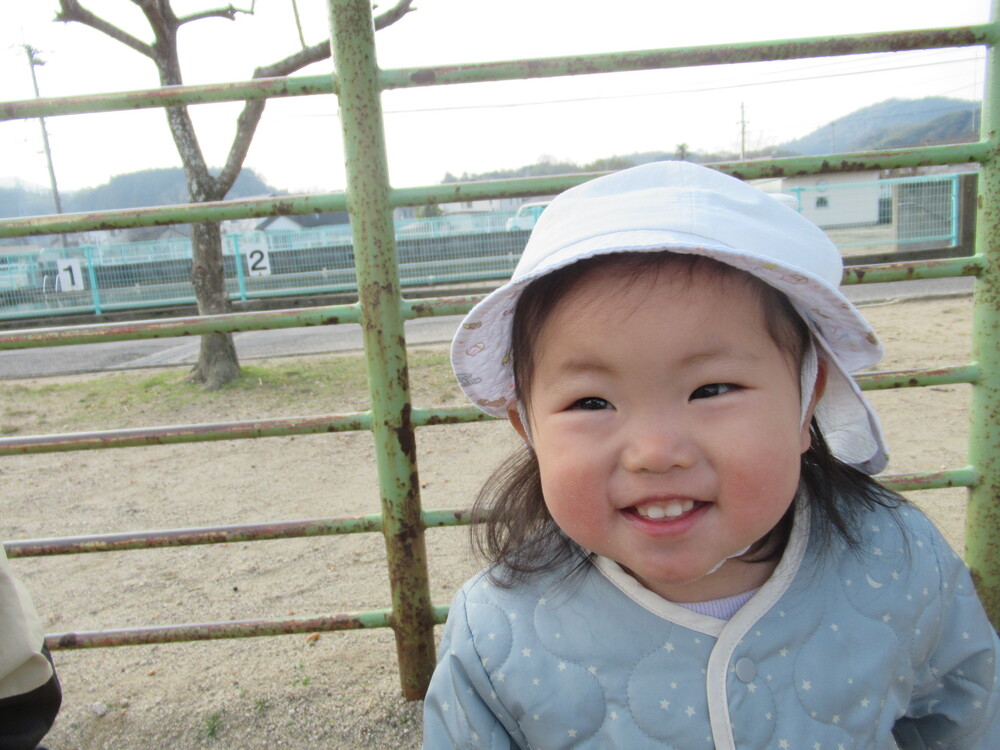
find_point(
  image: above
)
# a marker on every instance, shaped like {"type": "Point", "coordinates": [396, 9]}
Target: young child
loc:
{"type": "Point", "coordinates": [30, 694]}
{"type": "Point", "coordinates": [690, 551]}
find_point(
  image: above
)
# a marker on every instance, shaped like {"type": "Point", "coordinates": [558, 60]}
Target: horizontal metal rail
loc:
{"type": "Point", "coordinates": [249, 532]}
{"type": "Point", "coordinates": [244, 430]}
{"type": "Point", "coordinates": [469, 191]}
{"type": "Point", "coordinates": [553, 67]}
{"type": "Point", "coordinates": [931, 480]}
{"type": "Point", "coordinates": [379, 618]}
{"type": "Point", "coordinates": [409, 309]}
{"type": "Point", "coordinates": [231, 323]}
{"type": "Point", "coordinates": [922, 378]}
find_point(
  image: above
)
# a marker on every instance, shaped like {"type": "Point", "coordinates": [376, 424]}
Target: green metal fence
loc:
{"type": "Point", "coordinates": [391, 417]}
{"type": "Point", "coordinates": [887, 217]}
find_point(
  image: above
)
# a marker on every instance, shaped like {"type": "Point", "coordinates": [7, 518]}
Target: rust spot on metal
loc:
{"type": "Point", "coordinates": [405, 435]}
{"type": "Point", "coordinates": [424, 77]}
{"type": "Point", "coordinates": [436, 419]}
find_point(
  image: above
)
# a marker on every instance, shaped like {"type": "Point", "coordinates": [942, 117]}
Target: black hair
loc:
{"type": "Point", "coordinates": [512, 526]}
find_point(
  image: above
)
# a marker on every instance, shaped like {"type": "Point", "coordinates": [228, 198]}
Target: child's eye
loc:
{"type": "Point", "coordinates": [713, 389]}
{"type": "Point", "coordinates": [591, 403]}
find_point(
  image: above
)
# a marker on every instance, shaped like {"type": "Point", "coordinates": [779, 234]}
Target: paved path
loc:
{"type": "Point", "coordinates": [250, 345]}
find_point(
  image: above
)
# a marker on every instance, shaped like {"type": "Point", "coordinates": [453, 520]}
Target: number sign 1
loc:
{"type": "Point", "coordinates": [70, 275]}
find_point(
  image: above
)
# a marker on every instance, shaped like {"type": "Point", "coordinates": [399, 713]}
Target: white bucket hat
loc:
{"type": "Point", "coordinates": [689, 209]}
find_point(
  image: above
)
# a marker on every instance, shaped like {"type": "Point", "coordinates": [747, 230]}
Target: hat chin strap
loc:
{"type": "Point", "coordinates": [522, 412]}
{"type": "Point", "coordinates": [807, 386]}
{"type": "Point", "coordinates": [807, 379]}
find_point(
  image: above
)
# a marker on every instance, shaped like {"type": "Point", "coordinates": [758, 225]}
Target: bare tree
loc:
{"type": "Point", "coordinates": [217, 361]}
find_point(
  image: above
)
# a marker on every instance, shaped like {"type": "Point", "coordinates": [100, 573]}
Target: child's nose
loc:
{"type": "Point", "coordinates": [658, 445]}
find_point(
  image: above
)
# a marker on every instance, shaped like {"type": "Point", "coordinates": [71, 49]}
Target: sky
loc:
{"type": "Point", "coordinates": [470, 128]}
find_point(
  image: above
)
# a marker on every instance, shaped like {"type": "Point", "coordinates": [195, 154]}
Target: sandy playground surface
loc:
{"type": "Point", "coordinates": [339, 690]}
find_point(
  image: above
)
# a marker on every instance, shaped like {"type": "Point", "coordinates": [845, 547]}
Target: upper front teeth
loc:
{"type": "Point", "coordinates": [671, 509]}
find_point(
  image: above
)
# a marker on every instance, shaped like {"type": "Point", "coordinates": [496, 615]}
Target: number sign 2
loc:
{"type": "Point", "coordinates": [259, 262]}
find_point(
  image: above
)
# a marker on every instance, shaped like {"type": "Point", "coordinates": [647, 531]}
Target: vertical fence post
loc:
{"type": "Point", "coordinates": [238, 261]}
{"type": "Point", "coordinates": [95, 293]}
{"type": "Point", "coordinates": [955, 217]}
{"type": "Point", "coordinates": [353, 40]}
{"type": "Point", "coordinates": [983, 519]}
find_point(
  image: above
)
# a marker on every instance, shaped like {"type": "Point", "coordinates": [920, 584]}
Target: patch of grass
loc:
{"type": "Point", "coordinates": [267, 388]}
{"type": "Point", "coordinates": [212, 725]}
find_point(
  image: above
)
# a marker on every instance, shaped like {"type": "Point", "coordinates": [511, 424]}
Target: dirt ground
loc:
{"type": "Point", "coordinates": [339, 690]}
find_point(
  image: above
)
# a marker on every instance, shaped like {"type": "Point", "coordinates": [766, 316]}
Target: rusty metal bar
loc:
{"type": "Point", "coordinates": [196, 433]}
{"type": "Point", "coordinates": [175, 327]}
{"type": "Point", "coordinates": [457, 192]}
{"type": "Point", "coordinates": [931, 480]}
{"type": "Point", "coordinates": [681, 57]}
{"type": "Point", "coordinates": [983, 516]}
{"type": "Point", "coordinates": [894, 159]}
{"type": "Point", "coordinates": [434, 307]}
{"type": "Point", "coordinates": [253, 532]}
{"type": "Point", "coordinates": [690, 57]}
{"type": "Point", "coordinates": [919, 378]}
{"type": "Point", "coordinates": [353, 40]}
{"type": "Point", "coordinates": [913, 270]}
{"type": "Point", "coordinates": [170, 96]}
{"type": "Point", "coordinates": [420, 308]}
{"type": "Point", "coordinates": [447, 517]}
{"type": "Point", "coordinates": [245, 208]}
{"type": "Point", "coordinates": [378, 618]}
{"type": "Point", "coordinates": [244, 430]}
{"type": "Point", "coordinates": [231, 323]}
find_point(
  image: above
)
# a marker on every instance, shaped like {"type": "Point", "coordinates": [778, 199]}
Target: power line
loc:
{"type": "Point", "coordinates": [702, 89]}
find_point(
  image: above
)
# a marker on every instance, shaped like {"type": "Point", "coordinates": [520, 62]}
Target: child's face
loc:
{"type": "Point", "coordinates": [667, 425]}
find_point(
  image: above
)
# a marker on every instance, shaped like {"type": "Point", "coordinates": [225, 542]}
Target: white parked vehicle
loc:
{"type": "Point", "coordinates": [526, 216]}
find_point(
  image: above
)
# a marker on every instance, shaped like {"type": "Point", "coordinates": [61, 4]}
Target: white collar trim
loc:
{"type": "Point", "coordinates": [753, 610]}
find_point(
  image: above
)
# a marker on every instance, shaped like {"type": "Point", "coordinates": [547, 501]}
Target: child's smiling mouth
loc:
{"type": "Point", "coordinates": [668, 509]}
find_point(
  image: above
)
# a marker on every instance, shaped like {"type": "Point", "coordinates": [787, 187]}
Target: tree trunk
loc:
{"type": "Point", "coordinates": [217, 361]}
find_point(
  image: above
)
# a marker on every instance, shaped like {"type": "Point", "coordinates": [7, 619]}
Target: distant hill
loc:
{"type": "Point", "coordinates": [894, 123]}
{"type": "Point", "coordinates": [151, 187]}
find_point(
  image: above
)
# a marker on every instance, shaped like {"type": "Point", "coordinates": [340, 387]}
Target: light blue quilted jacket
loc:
{"type": "Point", "coordinates": [879, 649]}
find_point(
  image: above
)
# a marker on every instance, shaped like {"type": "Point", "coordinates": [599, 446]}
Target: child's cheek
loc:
{"type": "Point", "coordinates": [577, 500]}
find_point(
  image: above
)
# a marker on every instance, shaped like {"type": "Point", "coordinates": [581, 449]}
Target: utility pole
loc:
{"type": "Point", "coordinates": [743, 132]}
{"type": "Point", "coordinates": [33, 61]}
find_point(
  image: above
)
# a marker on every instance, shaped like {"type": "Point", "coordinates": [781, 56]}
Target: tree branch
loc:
{"type": "Point", "coordinates": [71, 10]}
{"type": "Point", "coordinates": [253, 110]}
{"type": "Point", "coordinates": [392, 15]}
{"type": "Point", "coordinates": [246, 128]}
{"type": "Point", "coordinates": [228, 13]}
{"type": "Point", "coordinates": [295, 62]}
{"type": "Point", "coordinates": [321, 51]}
